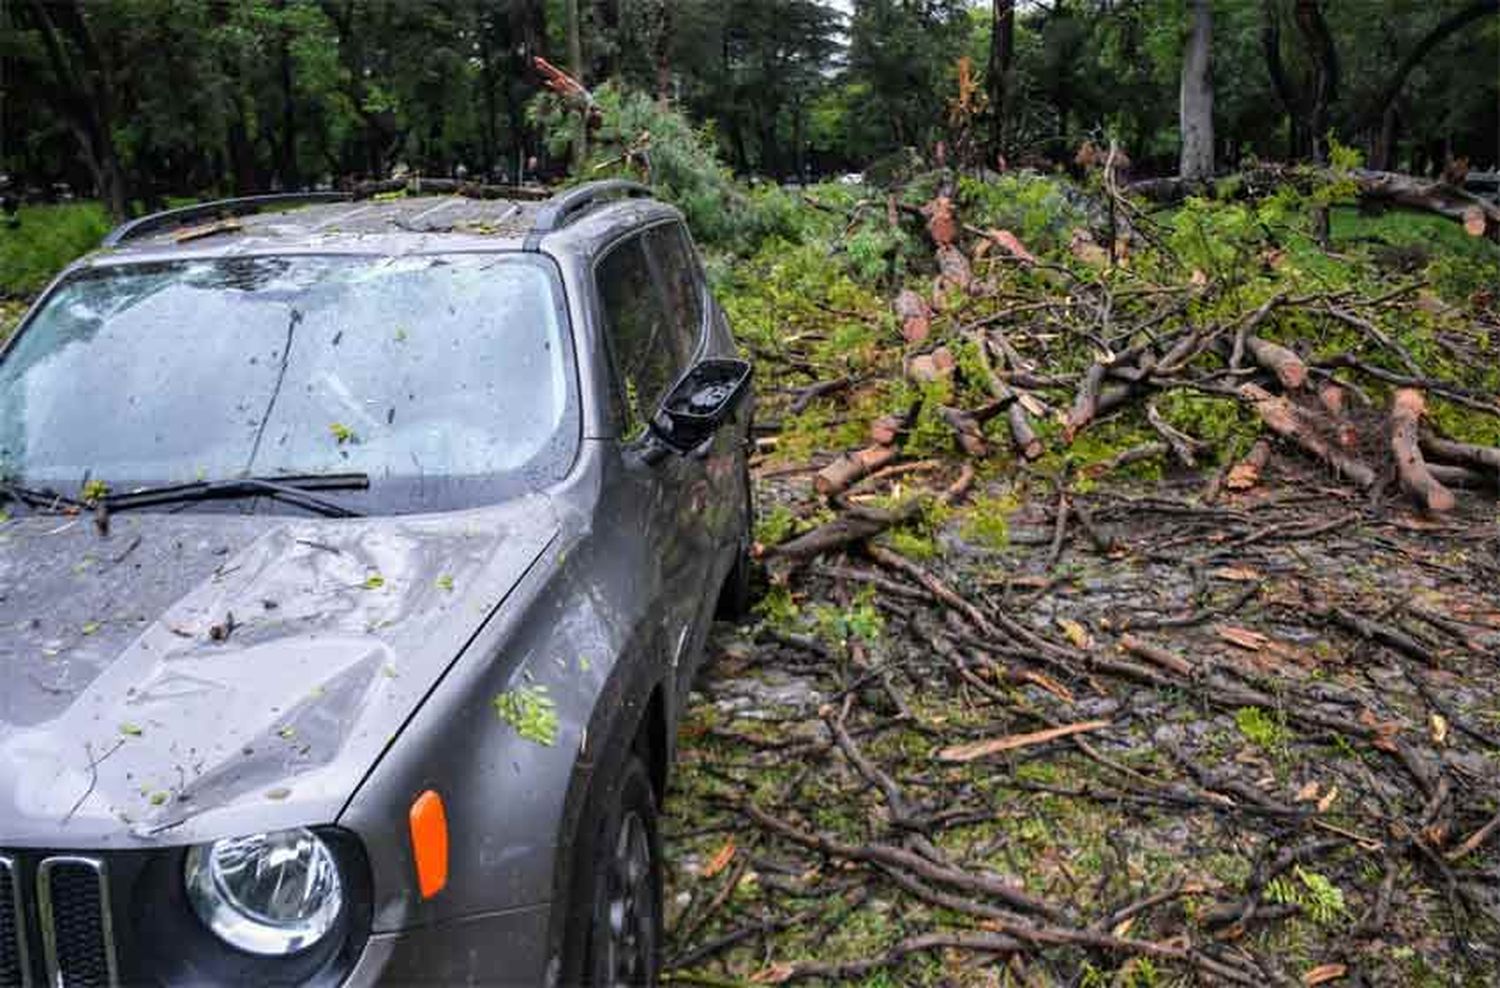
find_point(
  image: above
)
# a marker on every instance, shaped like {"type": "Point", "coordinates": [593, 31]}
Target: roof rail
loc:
{"type": "Point", "coordinates": [569, 204]}
{"type": "Point", "coordinates": [220, 207]}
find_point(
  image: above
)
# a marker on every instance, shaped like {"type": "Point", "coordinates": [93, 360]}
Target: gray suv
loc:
{"type": "Point", "coordinates": [354, 564]}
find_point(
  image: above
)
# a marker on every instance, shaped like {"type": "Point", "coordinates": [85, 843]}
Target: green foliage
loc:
{"type": "Point", "coordinates": [1227, 425]}
{"type": "Point", "coordinates": [1260, 728]}
{"type": "Point", "coordinates": [1034, 207]}
{"type": "Point", "coordinates": [777, 608]}
{"type": "Point", "coordinates": [640, 138]}
{"type": "Point", "coordinates": [46, 240]}
{"type": "Point", "coordinates": [778, 525]}
{"type": "Point", "coordinates": [912, 544]}
{"type": "Point", "coordinates": [1320, 898]}
{"type": "Point", "coordinates": [987, 520]}
{"type": "Point", "coordinates": [530, 712]}
{"type": "Point", "coordinates": [861, 620]}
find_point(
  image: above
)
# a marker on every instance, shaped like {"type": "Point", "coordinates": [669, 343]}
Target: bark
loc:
{"type": "Point", "coordinates": [661, 44]}
{"type": "Point", "coordinates": [1196, 106]}
{"type": "Point", "coordinates": [1086, 403]}
{"type": "Point", "coordinates": [852, 525]}
{"type": "Point", "coordinates": [1325, 73]}
{"type": "Point", "coordinates": [1246, 473]}
{"type": "Point", "coordinates": [1021, 432]}
{"type": "Point", "coordinates": [1270, 41]}
{"type": "Point", "coordinates": [603, 61]}
{"type": "Point", "coordinates": [83, 93]}
{"type": "Point", "coordinates": [845, 470]}
{"type": "Point", "coordinates": [1486, 457]}
{"type": "Point", "coordinates": [1281, 417]}
{"type": "Point", "coordinates": [1406, 415]}
{"type": "Point", "coordinates": [1000, 77]}
{"type": "Point", "coordinates": [1481, 216]}
{"type": "Point", "coordinates": [1431, 196]}
{"type": "Point", "coordinates": [1385, 103]}
{"type": "Point", "coordinates": [1287, 366]}
{"type": "Point", "coordinates": [575, 68]}
{"type": "Point", "coordinates": [291, 180]}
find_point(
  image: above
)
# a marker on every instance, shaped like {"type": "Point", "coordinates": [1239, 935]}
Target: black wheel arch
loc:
{"type": "Point", "coordinates": [637, 721]}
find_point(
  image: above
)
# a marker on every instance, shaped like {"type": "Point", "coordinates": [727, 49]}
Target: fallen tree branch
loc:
{"type": "Point", "coordinates": [1277, 413]}
{"type": "Point", "coordinates": [1407, 408]}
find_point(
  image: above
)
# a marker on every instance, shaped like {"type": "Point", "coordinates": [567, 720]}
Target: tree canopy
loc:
{"type": "Point", "coordinates": [140, 99]}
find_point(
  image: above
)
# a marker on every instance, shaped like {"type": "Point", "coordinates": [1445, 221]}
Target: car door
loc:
{"type": "Point", "coordinates": [714, 511]}
{"type": "Point", "coordinates": [649, 349]}
{"type": "Point", "coordinates": [720, 523]}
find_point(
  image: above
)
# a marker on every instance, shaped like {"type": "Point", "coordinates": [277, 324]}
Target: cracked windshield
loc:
{"type": "Point", "coordinates": [395, 367]}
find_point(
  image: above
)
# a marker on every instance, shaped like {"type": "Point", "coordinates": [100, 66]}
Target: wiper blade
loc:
{"type": "Point", "coordinates": [34, 498]}
{"type": "Point", "coordinates": [291, 488]}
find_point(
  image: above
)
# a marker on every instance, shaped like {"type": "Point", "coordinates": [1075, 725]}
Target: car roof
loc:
{"type": "Point", "coordinates": [592, 213]}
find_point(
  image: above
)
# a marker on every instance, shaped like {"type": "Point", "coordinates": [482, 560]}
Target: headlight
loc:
{"type": "Point", "coordinates": [269, 894]}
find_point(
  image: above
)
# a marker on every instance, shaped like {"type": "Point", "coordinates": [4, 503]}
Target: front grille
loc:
{"type": "Point", "coordinates": [13, 960]}
{"type": "Point", "coordinates": [55, 926]}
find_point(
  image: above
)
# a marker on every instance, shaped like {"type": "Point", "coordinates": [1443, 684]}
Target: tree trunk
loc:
{"type": "Point", "coordinates": [1325, 80]}
{"type": "Point", "coordinates": [83, 93]}
{"type": "Point", "coordinates": [1383, 155]}
{"type": "Point", "coordinates": [603, 62]}
{"type": "Point", "coordinates": [575, 67]}
{"type": "Point", "coordinates": [487, 83]}
{"type": "Point", "coordinates": [1385, 103]}
{"type": "Point", "coordinates": [291, 181]}
{"type": "Point", "coordinates": [1002, 58]}
{"type": "Point", "coordinates": [1270, 41]}
{"type": "Point", "coordinates": [661, 49]}
{"type": "Point", "coordinates": [1196, 108]}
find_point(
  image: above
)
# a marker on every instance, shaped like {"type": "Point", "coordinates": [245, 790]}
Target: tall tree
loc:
{"type": "Point", "coordinates": [1385, 103]}
{"type": "Point", "coordinates": [82, 91]}
{"type": "Point", "coordinates": [1325, 73]}
{"type": "Point", "coordinates": [1001, 70]}
{"type": "Point", "coordinates": [1196, 99]}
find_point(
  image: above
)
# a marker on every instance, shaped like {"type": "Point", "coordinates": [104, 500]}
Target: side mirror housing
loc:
{"type": "Point", "coordinates": [701, 401]}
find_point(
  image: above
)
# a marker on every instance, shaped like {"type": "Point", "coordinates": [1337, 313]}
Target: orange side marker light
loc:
{"type": "Point", "coordinates": [429, 842]}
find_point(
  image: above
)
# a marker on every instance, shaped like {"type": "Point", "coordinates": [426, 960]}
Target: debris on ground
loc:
{"type": "Point", "coordinates": [1130, 612]}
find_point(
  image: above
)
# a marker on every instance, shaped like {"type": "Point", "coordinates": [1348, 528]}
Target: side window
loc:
{"type": "Point", "coordinates": [642, 336]}
{"type": "Point", "coordinates": [677, 266]}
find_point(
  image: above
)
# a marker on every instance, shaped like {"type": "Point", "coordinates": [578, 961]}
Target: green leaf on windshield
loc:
{"type": "Point", "coordinates": [341, 433]}
{"type": "Point", "coordinates": [374, 581]}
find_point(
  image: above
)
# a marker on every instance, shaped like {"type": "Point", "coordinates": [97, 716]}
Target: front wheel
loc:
{"type": "Point", "coordinates": [622, 941]}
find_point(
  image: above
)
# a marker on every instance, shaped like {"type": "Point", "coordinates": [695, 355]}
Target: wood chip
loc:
{"type": "Point", "coordinates": [994, 746]}
{"type": "Point", "coordinates": [720, 860]}
{"type": "Point", "coordinates": [1254, 641]}
{"type": "Point", "coordinates": [1324, 973]}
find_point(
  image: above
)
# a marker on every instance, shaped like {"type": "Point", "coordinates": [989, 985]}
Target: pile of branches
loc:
{"type": "Point", "coordinates": [1378, 779]}
{"type": "Point", "coordinates": [1360, 413]}
{"type": "Point", "coordinates": [1378, 823]}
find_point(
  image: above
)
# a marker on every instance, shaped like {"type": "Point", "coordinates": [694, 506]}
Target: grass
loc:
{"type": "Point", "coordinates": [45, 241]}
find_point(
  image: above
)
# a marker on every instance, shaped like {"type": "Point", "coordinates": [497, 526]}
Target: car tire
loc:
{"type": "Point", "coordinates": [618, 929]}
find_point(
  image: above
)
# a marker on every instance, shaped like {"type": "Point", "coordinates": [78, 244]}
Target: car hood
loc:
{"type": "Point", "coordinates": [195, 675]}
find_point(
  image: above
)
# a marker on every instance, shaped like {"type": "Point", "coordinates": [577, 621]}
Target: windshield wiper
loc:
{"type": "Point", "coordinates": [34, 498]}
{"type": "Point", "coordinates": [291, 488]}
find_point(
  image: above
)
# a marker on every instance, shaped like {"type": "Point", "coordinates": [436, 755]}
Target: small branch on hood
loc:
{"type": "Point", "coordinates": [94, 764]}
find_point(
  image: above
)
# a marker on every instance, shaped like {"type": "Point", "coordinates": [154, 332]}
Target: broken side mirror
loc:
{"type": "Point", "coordinates": [703, 399]}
